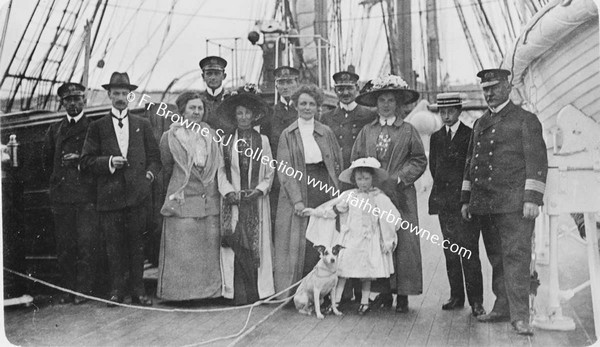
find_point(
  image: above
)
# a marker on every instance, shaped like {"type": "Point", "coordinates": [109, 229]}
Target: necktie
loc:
{"type": "Point", "coordinates": [120, 120]}
{"type": "Point", "coordinates": [449, 135]}
{"type": "Point", "coordinates": [72, 122]}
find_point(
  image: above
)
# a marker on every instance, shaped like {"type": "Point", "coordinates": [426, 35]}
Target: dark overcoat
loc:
{"type": "Point", "coordinates": [408, 162]}
{"type": "Point", "coordinates": [447, 165]}
{"type": "Point", "coordinates": [347, 125]}
{"type": "Point", "coordinates": [290, 230]}
{"type": "Point", "coordinates": [280, 119]}
{"type": "Point", "coordinates": [216, 121]}
{"type": "Point", "coordinates": [128, 186]}
{"type": "Point", "coordinates": [507, 162]}
{"type": "Point", "coordinates": [67, 183]}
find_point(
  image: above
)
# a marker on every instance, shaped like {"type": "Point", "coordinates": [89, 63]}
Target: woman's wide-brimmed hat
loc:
{"type": "Point", "coordinates": [247, 96]}
{"type": "Point", "coordinates": [379, 176]}
{"type": "Point", "coordinates": [388, 84]}
{"type": "Point", "coordinates": [119, 80]}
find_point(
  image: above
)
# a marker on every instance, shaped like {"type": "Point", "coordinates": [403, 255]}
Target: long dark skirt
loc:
{"type": "Point", "coordinates": [315, 197]}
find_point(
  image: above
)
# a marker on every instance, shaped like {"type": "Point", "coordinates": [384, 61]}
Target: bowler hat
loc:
{"type": "Point", "coordinates": [119, 80]}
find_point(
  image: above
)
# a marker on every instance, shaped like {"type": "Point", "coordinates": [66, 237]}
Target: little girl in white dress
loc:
{"type": "Point", "coordinates": [368, 222]}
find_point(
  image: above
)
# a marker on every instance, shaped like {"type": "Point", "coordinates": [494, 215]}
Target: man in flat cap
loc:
{"type": "Point", "coordinates": [503, 186]}
{"type": "Point", "coordinates": [72, 194]}
{"type": "Point", "coordinates": [213, 73]}
{"type": "Point", "coordinates": [123, 154]}
{"type": "Point", "coordinates": [448, 149]}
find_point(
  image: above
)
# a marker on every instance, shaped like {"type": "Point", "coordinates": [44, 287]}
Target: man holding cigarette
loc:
{"type": "Point", "coordinates": [122, 152]}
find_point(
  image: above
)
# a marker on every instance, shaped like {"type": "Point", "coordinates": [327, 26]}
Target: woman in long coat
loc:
{"type": "Point", "coordinates": [309, 150]}
{"type": "Point", "coordinates": [189, 265]}
{"type": "Point", "coordinates": [246, 215]}
{"type": "Point", "coordinates": [397, 145]}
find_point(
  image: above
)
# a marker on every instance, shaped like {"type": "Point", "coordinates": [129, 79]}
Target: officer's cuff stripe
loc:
{"type": "Point", "coordinates": [534, 185]}
{"type": "Point", "coordinates": [466, 186]}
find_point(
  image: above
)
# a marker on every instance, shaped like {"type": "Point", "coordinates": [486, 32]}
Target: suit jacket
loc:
{"type": "Point", "coordinates": [67, 183]}
{"type": "Point", "coordinates": [216, 121]}
{"type": "Point", "coordinates": [128, 186]}
{"type": "Point", "coordinates": [346, 129]}
{"type": "Point", "coordinates": [279, 120]}
{"type": "Point", "coordinates": [507, 162]}
{"type": "Point", "coordinates": [447, 165]}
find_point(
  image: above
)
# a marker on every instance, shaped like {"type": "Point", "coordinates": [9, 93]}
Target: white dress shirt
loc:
{"type": "Point", "coordinates": [76, 118]}
{"type": "Point", "coordinates": [453, 129]}
{"type": "Point", "coordinates": [215, 92]}
{"type": "Point", "coordinates": [285, 103]}
{"type": "Point", "coordinates": [500, 107]}
{"type": "Point", "coordinates": [122, 133]}
{"type": "Point", "coordinates": [312, 152]}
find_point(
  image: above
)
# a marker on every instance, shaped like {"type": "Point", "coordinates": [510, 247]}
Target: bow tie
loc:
{"type": "Point", "coordinates": [119, 119]}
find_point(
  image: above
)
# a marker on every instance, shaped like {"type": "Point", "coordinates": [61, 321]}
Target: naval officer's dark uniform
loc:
{"type": "Point", "coordinates": [506, 167]}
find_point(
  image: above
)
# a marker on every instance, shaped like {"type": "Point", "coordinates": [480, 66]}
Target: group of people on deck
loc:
{"type": "Point", "coordinates": [237, 226]}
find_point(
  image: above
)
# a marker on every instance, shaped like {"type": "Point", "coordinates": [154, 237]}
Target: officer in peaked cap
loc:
{"type": "Point", "coordinates": [503, 187]}
{"type": "Point", "coordinates": [213, 73]}
{"type": "Point", "coordinates": [72, 193]}
{"type": "Point", "coordinates": [346, 121]}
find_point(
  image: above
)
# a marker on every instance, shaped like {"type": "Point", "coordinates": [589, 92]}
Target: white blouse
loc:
{"type": "Point", "coordinates": [312, 152]}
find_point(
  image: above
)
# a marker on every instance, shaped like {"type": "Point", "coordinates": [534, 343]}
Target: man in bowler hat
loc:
{"type": "Point", "coordinates": [447, 156]}
{"type": "Point", "coordinates": [122, 152]}
{"type": "Point", "coordinates": [503, 187]}
{"type": "Point", "coordinates": [72, 194]}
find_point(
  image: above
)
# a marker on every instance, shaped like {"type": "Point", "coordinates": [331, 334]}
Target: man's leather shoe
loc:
{"type": "Point", "coordinates": [453, 303]}
{"type": "Point", "coordinates": [116, 299]}
{"type": "Point", "coordinates": [382, 300]}
{"type": "Point", "coordinates": [522, 328]}
{"type": "Point", "coordinates": [477, 309]}
{"type": "Point", "coordinates": [141, 300]}
{"type": "Point", "coordinates": [78, 300]}
{"type": "Point", "coordinates": [493, 317]}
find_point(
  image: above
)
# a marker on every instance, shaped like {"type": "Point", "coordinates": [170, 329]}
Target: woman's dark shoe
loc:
{"type": "Point", "coordinates": [402, 304]}
{"type": "Point", "coordinates": [382, 300]}
{"type": "Point", "coordinates": [453, 303]}
{"type": "Point", "coordinates": [363, 308]}
{"type": "Point", "coordinates": [477, 309]}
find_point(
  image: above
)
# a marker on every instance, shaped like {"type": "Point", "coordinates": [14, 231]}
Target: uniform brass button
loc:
{"type": "Point", "coordinates": [489, 178]}
{"type": "Point", "coordinates": [493, 131]}
{"type": "Point", "coordinates": [203, 195]}
{"type": "Point", "coordinates": [341, 136]}
{"type": "Point", "coordinates": [492, 142]}
{"type": "Point", "coordinates": [490, 167]}
{"type": "Point", "coordinates": [354, 137]}
{"type": "Point", "coordinates": [476, 167]}
{"type": "Point", "coordinates": [476, 179]}
{"type": "Point", "coordinates": [478, 143]}
{"type": "Point", "coordinates": [354, 125]}
{"type": "Point", "coordinates": [477, 155]}
{"type": "Point", "coordinates": [491, 154]}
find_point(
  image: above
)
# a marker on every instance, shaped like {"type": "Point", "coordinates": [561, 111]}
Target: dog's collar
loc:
{"type": "Point", "coordinates": [329, 273]}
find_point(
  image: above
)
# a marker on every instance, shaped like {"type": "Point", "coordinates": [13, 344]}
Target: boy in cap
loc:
{"type": "Point", "coordinates": [123, 154]}
{"type": "Point", "coordinates": [503, 187]}
{"type": "Point", "coordinates": [213, 74]}
{"type": "Point", "coordinates": [72, 193]}
{"type": "Point", "coordinates": [447, 156]}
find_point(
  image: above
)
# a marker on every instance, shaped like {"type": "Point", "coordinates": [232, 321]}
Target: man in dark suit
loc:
{"type": "Point", "coordinates": [447, 156]}
{"type": "Point", "coordinates": [213, 73]}
{"type": "Point", "coordinates": [123, 154]}
{"type": "Point", "coordinates": [503, 187]}
{"type": "Point", "coordinates": [72, 194]}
